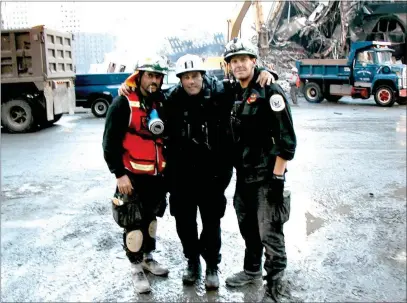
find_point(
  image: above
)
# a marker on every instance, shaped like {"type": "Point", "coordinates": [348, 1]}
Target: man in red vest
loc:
{"type": "Point", "coordinates": [133, 150]}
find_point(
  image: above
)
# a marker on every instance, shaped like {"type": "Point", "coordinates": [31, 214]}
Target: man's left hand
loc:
{"type": "Point", "coordinates": [265, 78]}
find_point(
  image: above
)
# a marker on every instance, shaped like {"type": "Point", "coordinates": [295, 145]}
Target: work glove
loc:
{"type": "Point", "coordinates": [276, 190]}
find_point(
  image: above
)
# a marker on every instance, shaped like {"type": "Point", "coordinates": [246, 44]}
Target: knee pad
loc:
{"type": "Point", "coordinates": [134, 240]}
{"type": "Point", "coordinates": [152, 229]}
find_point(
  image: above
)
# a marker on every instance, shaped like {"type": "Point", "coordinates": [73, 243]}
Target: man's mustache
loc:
{"type": "Point", "coordinates": [151, 86]}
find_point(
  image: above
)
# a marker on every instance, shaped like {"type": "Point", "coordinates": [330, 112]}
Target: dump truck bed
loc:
{"type": "Point", "coordinates": [323, 69]}
{"type": "Point", "coordinates": [36, 54]}
{"type": "Point", "coordinates": [324, 61]}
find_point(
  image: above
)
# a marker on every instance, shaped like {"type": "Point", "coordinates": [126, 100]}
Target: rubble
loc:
{"type": "Point", "coordinates": [324, 29]}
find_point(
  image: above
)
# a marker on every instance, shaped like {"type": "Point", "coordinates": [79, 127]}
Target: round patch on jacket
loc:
{"type": "Point", "coordinates": [277, 103]}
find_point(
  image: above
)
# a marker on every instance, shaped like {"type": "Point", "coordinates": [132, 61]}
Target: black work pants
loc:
{"type": "Point", "coordinates": [207, 194]}
{"type": "Point", "coordinates": [261, 226]}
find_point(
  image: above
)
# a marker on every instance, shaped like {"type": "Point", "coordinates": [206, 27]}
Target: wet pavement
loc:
{"type": "Point", "coordinates": [346, 237]}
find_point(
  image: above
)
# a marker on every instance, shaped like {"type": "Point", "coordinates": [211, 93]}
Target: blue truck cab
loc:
{"type": "Point", "coordinates": [368, 70]}
{"type": "Point", "coordinates": [97, 91]}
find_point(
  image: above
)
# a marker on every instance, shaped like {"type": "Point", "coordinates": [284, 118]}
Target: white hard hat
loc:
{"type": "Point", "coordinates": [154, 64]}
{"type": "Point", "coordinates": [239, 47]}
{"type": "Point", "coordinates": [189, 63]}
{"type": "Point", "coordinates": [294, 69]}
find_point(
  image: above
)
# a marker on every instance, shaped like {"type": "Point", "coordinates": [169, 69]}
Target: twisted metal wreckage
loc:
{"type": "Point", "coordinates": [300, 29]}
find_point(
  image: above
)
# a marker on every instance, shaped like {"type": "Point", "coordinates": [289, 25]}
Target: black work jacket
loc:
{"type": "Point", "coordinates": [262, 129]}
{"type": "Point", "coordinates": [198, 132]}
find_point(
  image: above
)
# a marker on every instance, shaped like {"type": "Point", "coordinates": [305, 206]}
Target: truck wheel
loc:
{"type": "Point", "coordinates": [17, 116]}
{"type": "Point", "coordinates": [384, 96]}
{"type": "Point", "coordinates": [312, 92]}
{"type": "Point", "coordinates": [100, 107]}
{"type": "Point", "coordinates": [402, 101]}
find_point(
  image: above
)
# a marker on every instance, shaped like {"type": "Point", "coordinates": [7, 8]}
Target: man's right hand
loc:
{"type": "Point", "coordinates": [124, 185]}
{"type": "Point", "coordinates": [124, 90]}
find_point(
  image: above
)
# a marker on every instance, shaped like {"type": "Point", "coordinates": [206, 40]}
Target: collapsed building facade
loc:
{"type": "Point", "coordinates": [204, 49]}
{"type": "Point", "coordinates": [301, 29]}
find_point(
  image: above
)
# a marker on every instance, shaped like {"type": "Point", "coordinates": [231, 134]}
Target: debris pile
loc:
{"type": "Point", "coordinates": [304, 29]}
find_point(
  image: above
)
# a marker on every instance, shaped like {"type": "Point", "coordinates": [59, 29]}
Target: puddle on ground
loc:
{"type": "Point", "coordinates": [401, 192]}
{"type": "Point", "coordinates": [313, 223]}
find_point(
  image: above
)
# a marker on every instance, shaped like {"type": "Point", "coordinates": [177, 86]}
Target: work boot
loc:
{"type": "Point", "coordinates": [153, 266]}
{"type": "Point", "coordinates": [139, 278]}
{"type": "Point", "coordinates": [192, 272]}
{"type": "Point", "coordinates": [212, 279]}
{"type": "Point", "coordinates": [242, 278]}
{"type": "Point", "coordinates": [275, 289]}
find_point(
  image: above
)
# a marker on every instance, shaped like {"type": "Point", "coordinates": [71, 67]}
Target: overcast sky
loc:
{"type": "Point", "coordinates": [144, 25]}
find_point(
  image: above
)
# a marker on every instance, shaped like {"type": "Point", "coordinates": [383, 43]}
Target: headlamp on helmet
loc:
{"type": "Point", "coordinates": [239, 47]}
{"type": "Point", "coordinates": [189, 63]}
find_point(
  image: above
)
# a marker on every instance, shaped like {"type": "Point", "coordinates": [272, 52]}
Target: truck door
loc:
{"type": "Point", "coordinates": [364, 69]}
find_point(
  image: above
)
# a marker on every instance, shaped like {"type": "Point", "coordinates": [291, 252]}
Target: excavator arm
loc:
{"type": "Point", "coordinates": [234, 26]}
{"type": "Point", "coordinates": [235, 23]}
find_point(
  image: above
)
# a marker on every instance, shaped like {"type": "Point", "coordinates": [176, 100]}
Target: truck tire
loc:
{"type": "Point", "coordinates": [17, 116]}
{"type": "Point", "coordinates": [402, 101]}
{"type": "Point", "coordinates": [312, 92]}
{"type": "Point", "coordinates": [384, 96]}
{"type": "Point", "coordinates": [99, 107]}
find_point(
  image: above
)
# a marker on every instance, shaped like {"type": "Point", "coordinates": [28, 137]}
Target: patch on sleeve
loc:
{"type": "Point", "coordinates": [277, 102]}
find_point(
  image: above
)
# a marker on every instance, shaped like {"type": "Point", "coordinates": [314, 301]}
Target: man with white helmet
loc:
{"type": "Point", "coordinates": [264, 140]}
{"type": "Point", "coordinates": [199, 163]}
{"type": "Point", "coordinates": [294, 85]}
{"type": "Point", "coordinates": [133, 151]}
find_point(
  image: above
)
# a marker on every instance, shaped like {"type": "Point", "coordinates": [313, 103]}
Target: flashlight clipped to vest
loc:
{"type": "Point", "coordinates": [155, 124]}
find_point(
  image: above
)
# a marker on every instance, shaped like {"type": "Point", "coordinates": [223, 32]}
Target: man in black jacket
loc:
{"type": "Point", "coordinates": [264, 140]}
{"type": "Point", "coordinates": [199, 162]}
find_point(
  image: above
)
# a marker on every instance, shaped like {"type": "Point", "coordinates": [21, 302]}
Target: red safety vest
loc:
{"type": "Point", "coordinates": [142, 155]}
{"type": "Point", "coordinates": [297, 80]}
